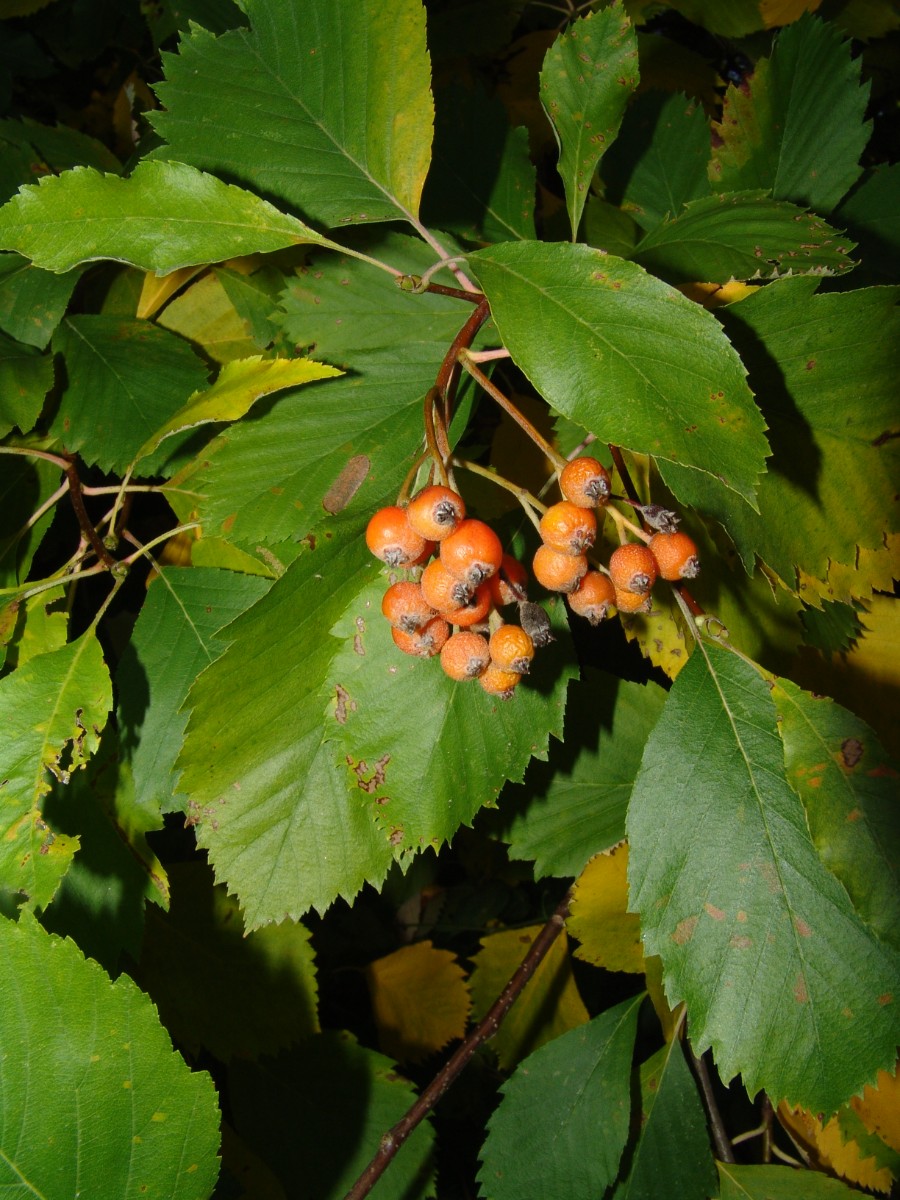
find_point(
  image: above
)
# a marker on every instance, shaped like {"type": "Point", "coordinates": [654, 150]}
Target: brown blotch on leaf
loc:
{"type": "Point", "coordinates": [345, 704]}
{"type": "Point", "coordinates": [740, 941]}
{"type": "Point", "coordinates": [347, 484]}
{"type": "Point", "coordinates": [684, 930]}
{"type": "Point", "coordinates": [717, 914]}
{"type": "Point", "coordinates": [886, 998]}
{"type": "Point", "coordinates": [369, 783]}
{"type": "Point", "coordinates": [802, 928]}
{"type": "Point", "coordinates": [851, 751]}
{"type": "Point", "coordinates": [801, 995]}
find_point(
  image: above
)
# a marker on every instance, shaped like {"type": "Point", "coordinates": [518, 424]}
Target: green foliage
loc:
{"type": "Point", "coordinates": [222, 780]}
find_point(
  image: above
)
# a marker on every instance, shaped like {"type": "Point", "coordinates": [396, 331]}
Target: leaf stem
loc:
{"type": "Point", "coordinates": [528, 501]}
{"type": "Point", "coordinates": [83, 519]}
{"type": "Point", "coordinates": [722, 1145]}
{"type": "Point", "coordinates": [395, 1137]}
{"type": "Point", "coordinates": [468, 364]}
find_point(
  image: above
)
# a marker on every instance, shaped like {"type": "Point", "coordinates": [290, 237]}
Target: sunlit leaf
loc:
{"type": "Point", "coordinates": [626, 356]}
{"type": "Point", "coordinates": [550, 1004]}
{"type": "Point", "coordinates": [52, 711]}
{"type": "Point", "coordinates": [331, 112]}
{"type": "Point", "coordinates": [797, 126]}
{"type": "Point", "coordinates": [420, 1001]}
{"type": "Point", "coordinates": [780, 975]}
{"type": "Point", "coordinates": [739, 1181]}
{"type": "Point", "coordinates": [610, 936]}
{"type": "Point", "coordinates": [203, 314]}
{"type": "Point", "coordinates": [562, 1122]}
{"type": "Point", "coordinates": [165, 215]}
{"type": "Point", "coordinates": [587, 79]}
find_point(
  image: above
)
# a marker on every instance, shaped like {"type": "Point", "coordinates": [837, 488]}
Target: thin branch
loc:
{"type": "Point", "coordinates": [510, 409]}
{"type": "Point", "coordinates": [395, 1137]}
{"type": "Point", "coordinates": [462, 341]}
{"type": "Point", "coordinates": [83, 519]}
{"type": "Point", "coordinates": [724, 1151]}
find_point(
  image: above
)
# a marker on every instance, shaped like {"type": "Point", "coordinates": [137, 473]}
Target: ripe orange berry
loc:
{"type": "Point", "coordinates": [508, 585]}
{"type": "Point", "coordinates": [633, 568]}
{"type": "Point", "coordinates": [390, 538]}
{"type": "Point", "coordinates": [435, 512]}
{"type": "Point", "coordinates": [404, 606]}
{"type": "Point", "coordinates": [472, 552]}
{"type": "Point", "coordinates": [474, 611]}
{"type": "Point", "coordinates": [558, 572]}
{"type": "Point", "coordinates": [632, 602]}
{"type": "Point", "coordinates": [567, 528]}
{"type": "Point", "coordinates": [443, 591]}
{"type": "Point", "coordinates": [465, 655]}
{"type": "Point", "coordinates": [593, 597]}
{"type": "Point", "coordinates": [422, 558]}
{"type": "Point", "coordinates": [676, 555]}
{"type": "Point", "coordinates": [585, 482]}
{"type": "Point", "coordinates": [511, 649]}
{"type": "Point", "coordinates": [497, 682]}
{"type": "Point", "coordinates": [424, 642]}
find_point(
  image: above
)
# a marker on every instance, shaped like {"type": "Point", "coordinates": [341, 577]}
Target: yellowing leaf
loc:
{"type": "Point", "coordinates": [660, 632]}
{"type": "Point", "coordinates": [669, 1018]}
{"type": "Point", "coordinates": [157, 289]}
{"type": "Point", "coordinates": [879, 1108]}
{"type": "Point", "coordinates": [714, 295]}
{"type": "Point", "coordinates": [782, 12]}
{"type": "Point", "coordinates": [610, 936]}
{"type": "Point", "coordinates": [830, 1151]}
{"type": "Point", "coordinates": [204, 314]}
{"type": "Point", "coordinates": [550, 1004]}
{"type": "Point", "coordinates": [874, 571]}
{"type": "Point", "coordinates": [419, 999]}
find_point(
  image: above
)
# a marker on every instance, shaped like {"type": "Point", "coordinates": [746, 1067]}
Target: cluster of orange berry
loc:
{"type": "Point", "coordinates": [470, 579]}
{"type": "Point", "coordinates": [568, 530]}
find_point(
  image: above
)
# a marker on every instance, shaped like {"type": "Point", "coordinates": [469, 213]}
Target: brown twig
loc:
{"type": "Point", "coordinates": [722, 1145]}
{"type": "Point", "coordinates": [395, 1137]}
{"type": "Point", "coordinates": [84, 520]}
{"type": "Point", "coordinates": [462, 341]}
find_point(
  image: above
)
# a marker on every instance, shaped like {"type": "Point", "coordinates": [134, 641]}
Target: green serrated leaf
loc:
{"type": "Point", "coordinates": [255, 298]}
{"type": "Point", "coordinates": [52, 711]}
{"type": "Point", "coordinates": [32, 302]}
{"type": "Point", "coordinates": [657, 164]}
{"type": "Point", "coordinates": [125, 379]}
{"type": "Point", "coordinates": [197, 953]}
{"type": "Point", "coordinates": [626, 356]}
{"type": "Point", "coordinates": [746, 1182]}
{"type": "Point", "coordinates": [848, 787]}
{"type": "Point", "coordinates": [481, 184]}
{"type": "Point", "coordinates": [825, 371]}
{"type": "Point", "coordinates": [573, 806]}
{"type": "Point", "coordinates": [331, 113]}
{"type": "Point", "coordinates": [833, 628]}
{"type": "Point", "coordinates": [561, 1126]}
{"type": "Point", "coordinates": [93, 1098]}
{"type": "Point", "coordinates": [742, 235]}
{"type": "Point", "coordinates": [318, 1113]}
{"type": "Point", "coordinates": [26, 483]}
{"type": "Point", "coordinates": [588, 77]}
{"type": "Point", "coordinates": [174, 639]}
{"type": "Point", "coordinates": [732, 20]}
{"type": "Point", "coordinates": [779, 974]}
{"type": "Point", "coordinates": [237, 388]}
{"type": "Point", "coordinates": [797, 127]}
{"type": "Point", "coordinates": [672, 1154]}
{"type": "Point", "coordinates": [871, 215]}
{"type": "Point", "coordinates": [429, 751]}
{"type": "Point", "coordinates": [51, 149]}
{"type": "Point", "coordinates": [270, 804]}
{"type": "Point", "coordinates": [164, 216]}
{"type": "Point", "coordinates": [38, 626]}
{"type": "Point", "coordinates": [26, 376]}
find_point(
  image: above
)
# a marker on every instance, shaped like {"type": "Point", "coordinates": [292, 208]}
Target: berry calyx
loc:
{"type": "Point", "coordinates": [474, 611]}
{"type": "Point", "coordinates": [497, 682]}
{"type": "Point", "coordinates": [508, 584]}
{"type": "Point", "coordinates": [390, 538]}
{"type": "Point", "coordinates": [536, 623]}
{"type": "Point", "coordinates": [593, 597]}
{"type": "Point", "coordinates": [435, 512]}
{"type": "Point", "coordinates": [585, 482]}
{"type": "Point", "coordinates": [424, 642]}
{"type": "Point", "coordinates": [405, 607]}
{"type": "Point", "coordinates": [472, 553]}
{"type": "Point", "coordinates": [443, 591]}
{"type": "Point", "coordinates": [558, 572]}
{"type": "Point", "coordinates": [633, 568]}
{"type": "Point", "coordinates": [511, 649]}
{"type": "Point", "coordinates": [567, 528]}
{"type": "Point", "coordinates": [676, 556]}
{"type": "Point", "coordinates": [465, 655]}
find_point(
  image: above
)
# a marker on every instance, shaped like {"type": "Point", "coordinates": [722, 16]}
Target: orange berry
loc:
{"type": "Point", "coordinates": [404, 606]}
{"type": "Point", "coordinates": [474, 611]}
{"type": "Point", "coordinates": [585, 482]}
{"type": "Point", "coordinates": [567, 528]}
{"type": "Point", "coordinates": [390, 538]}
{"type": "Point", "coordinates": [676, 555]}
{"type": "Point", "coordinates": [435, 512]}
{"type": "Point", "coordinates": [422, 558]}
{"type": "Point", "coordinates": [424, 642]}
{"type": "Point", "coordinates": [511, 649]}
{"type": "Point", "coordinates": [508, 584]}
{"type": "Point", "coordinates": [465, 655]}
{"type": "Point", "coordinates": [558, 572]}
{"type": "Point", "coordinates": [593, 597]}
{"type": "Point", "coordinates": [472, 553]}
{"type": "Point", "coordinates": [497, 682]}
{"type": "Point", "coordinates": [632, 602]}
{"type": "Point", "coordinates": [633, 568]}
{"type": "Point", "coordinates": [443, 591]}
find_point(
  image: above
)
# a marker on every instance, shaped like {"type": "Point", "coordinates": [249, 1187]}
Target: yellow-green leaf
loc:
{"type": "Point", "coordinates": [420, 1000]}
